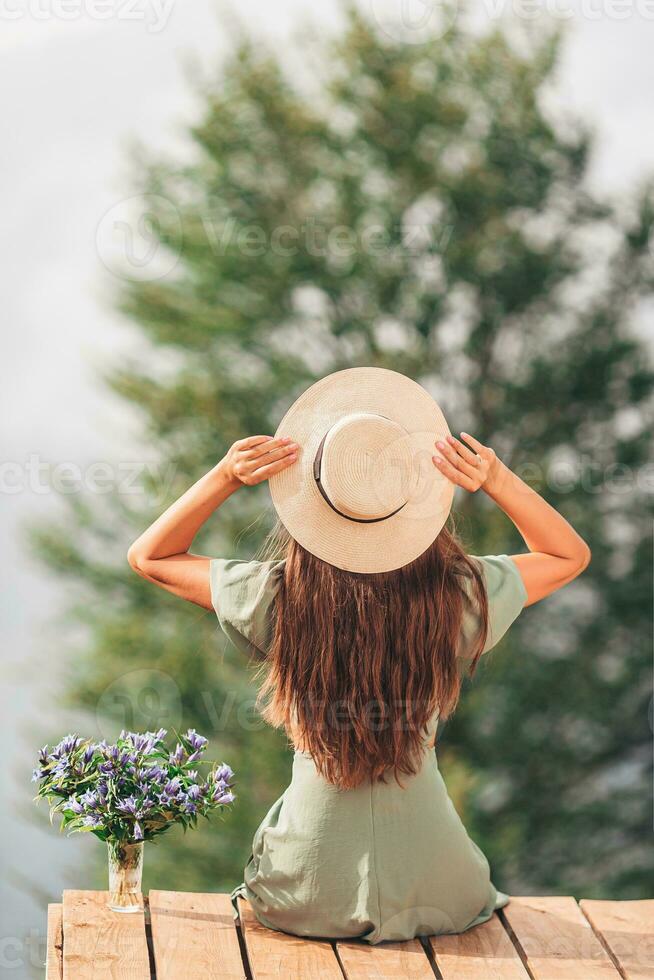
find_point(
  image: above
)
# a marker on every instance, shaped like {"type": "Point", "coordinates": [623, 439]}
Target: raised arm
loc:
{"type": "Point", "coordinates": [161, 554]}
{"type": "Point", "coordinates": [557, 554]}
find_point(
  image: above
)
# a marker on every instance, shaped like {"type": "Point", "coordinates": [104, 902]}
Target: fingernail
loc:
{"type": "Point", "coordinates": [441, 445]}
{"type": "Point", "coordinates": [437, 459]}
{"type": "Point", "coordinates": [450, 438]}
{"type": "Point", "coordinates": [286, 439]}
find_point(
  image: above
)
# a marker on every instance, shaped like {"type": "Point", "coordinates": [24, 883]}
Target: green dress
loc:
{"type": "Point", "coordinates": [378, 862]}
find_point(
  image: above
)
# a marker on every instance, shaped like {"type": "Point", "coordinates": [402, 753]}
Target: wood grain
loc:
{"type": "Point", "coordinates": [54, 967]}
{"type": "Point", "coordinates": [482, 953]}
{"type": "Point", "coordinates": [627, 931]}
{"type": "Point", "coordinates": [385, 961]}
{"type": "Point", "coordinates": [100, 944]}
{"type": "Point", "coordinates": [194, 935]}
{"type": "Point", "coordinates": [278, 956]}
{"type": "Point", "coordinates": [556, 940]}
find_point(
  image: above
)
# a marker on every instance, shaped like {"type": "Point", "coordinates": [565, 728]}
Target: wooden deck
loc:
{"type": "Point", "coordinates": [187, 936]}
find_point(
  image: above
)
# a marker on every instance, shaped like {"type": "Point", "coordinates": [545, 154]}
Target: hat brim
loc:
{"type": "Point", "coordinates": [359, 547]}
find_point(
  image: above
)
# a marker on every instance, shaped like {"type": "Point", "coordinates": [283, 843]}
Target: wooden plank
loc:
{"type": "Point", "coordinates": [484, 952]}
{"type": "Point", "coordinates": [100, 944]}
{"type": "Point", "coordinates": [194, 935]}
{"type": "Point", "coordinates": [627, 930]}
{"type": "Point", "coordinates": [556, 940]}
{"type": "Point", "coordinates": [361, 961]}
{"type": "Point", "coordinates": [54, 968]}
{"type": "Point", "coordinates": [282, 957]}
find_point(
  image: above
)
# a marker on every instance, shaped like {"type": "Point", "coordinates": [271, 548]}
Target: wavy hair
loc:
{"type": "Point", "coordinates": [360, 663]}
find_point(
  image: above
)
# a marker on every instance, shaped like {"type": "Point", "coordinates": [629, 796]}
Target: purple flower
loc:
{"type": "Point", "coordinates": [142, 743]}
{"type": "Point", "coordinates": [177, 756]}
{"type": "Point", "coordinates": [90, 800]}
{"type": "Point", "coordinates": [197, 742]}
{"type": "Point", "coordinates": [67, 745]}
{"type": "Point", "coordinates": [223, 774]}
{"type": "Point", "coordinates": [93, 821]}
{"type": "Point", "coordinates": [128, 806]}
{"type": "Point", "coordinates": [219, 795]}
{"type": "Point", "coordinates": [138, 831]}
{"type": "Point", "coordinates": [193, 792]}
{"type": "Point", "coordinates": [61, 771]}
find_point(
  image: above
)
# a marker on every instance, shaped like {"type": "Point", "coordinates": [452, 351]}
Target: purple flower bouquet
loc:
{"type": "Point", "coordinates": [129, 792]}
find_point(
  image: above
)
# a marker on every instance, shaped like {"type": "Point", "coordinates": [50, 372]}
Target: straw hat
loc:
{"type": "Point", "coordinates": [364, 494]}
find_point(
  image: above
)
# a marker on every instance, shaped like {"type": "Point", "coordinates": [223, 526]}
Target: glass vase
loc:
{"type": "Point", "coordinates": [125, 870]}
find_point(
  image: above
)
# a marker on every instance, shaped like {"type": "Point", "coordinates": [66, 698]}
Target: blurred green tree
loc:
{"type": "Point", "coordinates": [420, 210]}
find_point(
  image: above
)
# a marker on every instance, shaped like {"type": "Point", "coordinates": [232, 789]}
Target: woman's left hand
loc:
{"type": "Point", "coordinates": [162, 555]}
{"type": "Point", "coordinates": [256, 458]}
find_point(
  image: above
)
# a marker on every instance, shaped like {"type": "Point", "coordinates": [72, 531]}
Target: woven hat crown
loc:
{"type": "Point", "coordinates": [364, 466]}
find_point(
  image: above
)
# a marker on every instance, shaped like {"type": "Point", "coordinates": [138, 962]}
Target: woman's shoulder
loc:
{"type": "Point", "coordinates": [243, 594]}
{"type": "Point", "coordinates": [246, 575]}
{"type": "Point", "coordinates": [501, 575]}
{"type": "Point", "coordinates": [506, 594]}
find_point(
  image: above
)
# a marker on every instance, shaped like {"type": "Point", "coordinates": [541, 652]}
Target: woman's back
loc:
{"type": "Point", "coordinates": [382, 860]}
{"type": "Point", "coordinates": [363, 632]}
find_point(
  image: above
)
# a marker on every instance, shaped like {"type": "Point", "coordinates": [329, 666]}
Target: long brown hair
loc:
{"type": "Point", "coordinates": [360, 663]}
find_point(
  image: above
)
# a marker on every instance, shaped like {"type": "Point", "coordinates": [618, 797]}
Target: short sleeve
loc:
{"type": "Point", "coordinates": [506, 598]}
{"type": "Point", "coordinates": [243, 594]}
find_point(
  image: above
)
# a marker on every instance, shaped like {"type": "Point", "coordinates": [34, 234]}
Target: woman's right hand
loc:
{"type": "Point", "coordinates": [255, 459]}
{"type": "Point", "coordinates": [465, 467]}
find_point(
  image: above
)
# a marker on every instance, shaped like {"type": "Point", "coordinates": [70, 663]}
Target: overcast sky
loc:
{"type": "Point", "coordinates": [79, 78]}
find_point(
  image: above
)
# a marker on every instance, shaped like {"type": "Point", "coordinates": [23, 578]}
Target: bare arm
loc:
{"type": "Point", "coordinates": [557, 554]}
{"type": "Point", "coordinates": [161, 554]}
